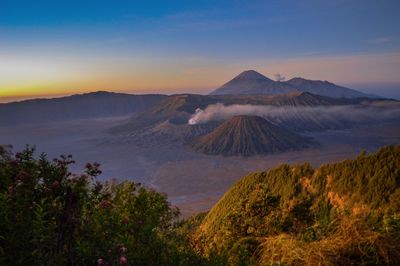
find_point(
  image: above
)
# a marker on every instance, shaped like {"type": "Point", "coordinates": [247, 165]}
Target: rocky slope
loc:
{"type": "Point", "coordinates": [246, 136]}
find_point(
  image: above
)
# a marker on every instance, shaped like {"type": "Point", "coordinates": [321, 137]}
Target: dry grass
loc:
{"type": "Point", "coordinates": [351, 244]}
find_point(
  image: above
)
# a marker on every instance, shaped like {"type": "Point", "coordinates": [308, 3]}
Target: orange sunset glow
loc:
{"type": "Point", "coordinates": [45, 78]}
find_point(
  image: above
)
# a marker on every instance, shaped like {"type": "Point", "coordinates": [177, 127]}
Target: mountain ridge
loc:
{"type": "Point", "coordinates": [252, 82]}
{"type": "Point", "coordinates": [77, 106]}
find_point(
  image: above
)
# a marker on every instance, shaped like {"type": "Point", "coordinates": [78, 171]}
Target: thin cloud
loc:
{"type": "Point", "coordinates": [380, 40]}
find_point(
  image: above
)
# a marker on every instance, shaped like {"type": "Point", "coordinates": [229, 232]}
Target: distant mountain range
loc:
{"type": "Point", "coordinates": [246, 136]}
{"type": "Point", "coordinates": [146, 110]}
{"type": "Point", "coordinates": [250, 87]}
{"type": "Point", "coordinates": [80, 106]}
{"type": "Point", "coordinates": [155, 119]}
{"type": "Point", "coordinates": [177, 109]}
{"type": "Point", "coordinates": [251, 82]}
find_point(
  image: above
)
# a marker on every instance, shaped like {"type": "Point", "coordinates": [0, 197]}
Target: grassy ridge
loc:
{"type": "Point", "coordinates": [340, 213]}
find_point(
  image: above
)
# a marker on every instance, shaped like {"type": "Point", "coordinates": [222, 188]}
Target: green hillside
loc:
{"type": "Point", "coordinates": [342, 213]}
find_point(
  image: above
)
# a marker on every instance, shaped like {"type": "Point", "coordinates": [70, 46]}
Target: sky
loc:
{"type": "Point", "coordinates": [54, 48]}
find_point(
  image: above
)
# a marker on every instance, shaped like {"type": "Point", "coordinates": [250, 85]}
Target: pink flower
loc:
{"type": "Point", "coordinates": [123, 260]}
{"type": "Point", "coordinates": [55, 184]}
{"type": "Point", "coordinates": [125, 220]}
{"type": "Point", "coordinates": [105, 204]}
{"type": "Point", "coordinates": [22, 176]}
{"type": "Point", "coordinates": [101, 262]}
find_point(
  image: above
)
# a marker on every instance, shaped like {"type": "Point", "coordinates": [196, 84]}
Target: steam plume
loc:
{"type": "Point", "coordinates": [357, 113]}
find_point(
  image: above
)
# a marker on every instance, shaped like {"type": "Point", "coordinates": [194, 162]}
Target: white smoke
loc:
{"type": "Point", "coordinates": [359, 113]}
{"type": "Point", "coordinates": [193, 120]}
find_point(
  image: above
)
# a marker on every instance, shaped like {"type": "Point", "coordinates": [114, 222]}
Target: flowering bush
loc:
{"type": "Point", "coordinates": [49, 216]}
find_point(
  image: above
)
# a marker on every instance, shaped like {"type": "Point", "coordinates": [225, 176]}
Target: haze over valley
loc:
{"type": "Point", "coordinates": [163, 141]}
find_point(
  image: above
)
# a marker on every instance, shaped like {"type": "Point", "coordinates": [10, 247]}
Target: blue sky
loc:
{"type": "Point", "coordinates": [173, 46]}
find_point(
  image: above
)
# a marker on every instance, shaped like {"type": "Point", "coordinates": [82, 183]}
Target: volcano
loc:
{"type": "Point", "coordinates": [251, 82]}
{"type": "Point", "coordinates": [247, 136]}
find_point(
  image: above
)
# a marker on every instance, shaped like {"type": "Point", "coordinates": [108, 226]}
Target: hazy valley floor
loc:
{"type": "Point", "coordinates": [193, 181]}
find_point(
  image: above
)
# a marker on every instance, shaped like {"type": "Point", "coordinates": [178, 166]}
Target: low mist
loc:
{"type": "Point", "coordinates": [358, 113]}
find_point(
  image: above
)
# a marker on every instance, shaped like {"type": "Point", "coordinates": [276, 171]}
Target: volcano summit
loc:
{"type": "Point", "coordinates": [248, 135]}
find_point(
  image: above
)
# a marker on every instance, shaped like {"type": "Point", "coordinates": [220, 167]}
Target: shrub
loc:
{"type": "Point", "coordinates": [49, 216]}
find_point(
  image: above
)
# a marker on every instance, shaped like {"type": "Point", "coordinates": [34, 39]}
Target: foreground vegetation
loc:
{"type": "Point", "coordinates": [49, 216]}
{"type": "Point", "coordinates": [339, 214]}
